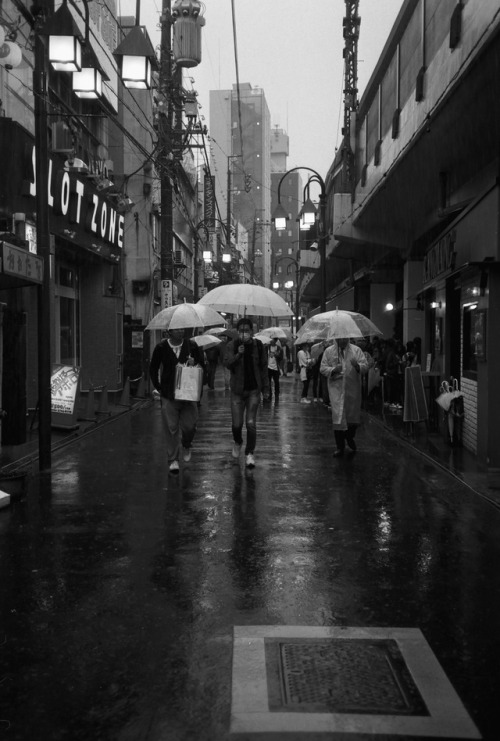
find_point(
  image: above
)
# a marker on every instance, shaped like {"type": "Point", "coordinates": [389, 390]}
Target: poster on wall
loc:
{"type": "Point", "coordinates": [64, 394]}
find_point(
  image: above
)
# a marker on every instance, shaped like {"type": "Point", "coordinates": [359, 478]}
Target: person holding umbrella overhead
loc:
{"type": "Point", "coordinates": [177, 415]}
{"type": "Point", "coordinates": [342, 364]}
{"type": "Point", "coordinates": [246, 358]}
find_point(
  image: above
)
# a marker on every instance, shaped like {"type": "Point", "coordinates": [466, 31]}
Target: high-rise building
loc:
{"type": "Point", "coordinates": [240, 130]}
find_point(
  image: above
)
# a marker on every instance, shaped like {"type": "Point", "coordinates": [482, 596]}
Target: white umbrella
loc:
{"type": "Point", "coordinates": [186, 316]}
{"type": "Point", "coordinates": [206, 341]}
{"type": "Point", "coordinates": [319, 327]}
{"type": "Point", "coordinates": [277, 332]}
{"type": "Point", "coordinates": [246, 299]}
{"type": "Point", "coordinates": [350, 324]}
{"type": "Point", "coordinates": [264, 338]}
{"type": "Point", "coordinates": [215, 330]}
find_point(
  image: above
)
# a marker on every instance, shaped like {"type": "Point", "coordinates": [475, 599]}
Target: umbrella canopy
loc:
{"type": "Point", "coordinates": [350, 324]}
{"type": "Point", "coordinates": [186, 316]}
{"type": "Point", "coordinates": [320, 327]}
{"type": "Point", "coordinates": [277, 332]}
{"type": "Point", "coordinates": [206, 341]}
{"type": "Point", "coordinates": [216, 331]}
{"type": "Point", "coordinates": [264, 338]}
{"type": "Point", "coordinates": [317, 349]}
{"type": "Point", "coordinates": [246, 299]}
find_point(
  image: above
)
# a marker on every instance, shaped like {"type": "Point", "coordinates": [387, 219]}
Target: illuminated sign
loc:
{"type": "Point", "coordinates": [79, 203]}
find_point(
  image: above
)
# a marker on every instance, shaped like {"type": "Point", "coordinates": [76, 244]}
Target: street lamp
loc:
{"type": "Point", "coordinates": [58, 41]}
{"type": "Point", "coordinates": [308, 216]}
{"type": "Point", "coordinates": [290, 284]}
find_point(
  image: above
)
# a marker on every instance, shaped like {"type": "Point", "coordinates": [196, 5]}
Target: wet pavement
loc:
{"type": "Point", "coordinates": [122, 586]}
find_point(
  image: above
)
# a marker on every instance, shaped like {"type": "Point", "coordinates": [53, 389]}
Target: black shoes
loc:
{"type": "Point", "coordinates": [338, 453]}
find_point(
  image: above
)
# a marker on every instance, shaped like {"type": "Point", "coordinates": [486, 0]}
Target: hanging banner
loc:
{"type": "Point", "coordinates": [63, 391]}
{"type": "Point", "coordinates": [209, 201]}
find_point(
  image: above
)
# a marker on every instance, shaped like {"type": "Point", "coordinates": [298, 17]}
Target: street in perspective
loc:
{"type": "Point", "coordinates": [132, 599]}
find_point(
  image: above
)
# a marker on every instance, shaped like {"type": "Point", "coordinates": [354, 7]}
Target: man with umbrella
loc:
{"type": "Point", "coordinates": [246, 358]}
{"type": "Point", "coordinates": [177, 415]}
{"type": "Point", "coordinates": [343, 364]}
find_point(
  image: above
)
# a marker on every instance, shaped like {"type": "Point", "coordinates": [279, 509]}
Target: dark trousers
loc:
{"type": "Point", "coordinates": [274, 377]}
{"type": "Point", "coordinates": [346, 436]}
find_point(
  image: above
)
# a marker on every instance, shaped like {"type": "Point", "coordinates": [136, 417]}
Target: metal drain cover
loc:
{"type": "Point", "coordinates": [340, 676]}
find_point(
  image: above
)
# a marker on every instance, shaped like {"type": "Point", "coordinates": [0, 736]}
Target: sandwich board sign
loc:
{"type": "Point", "coordinates": [64, 395]}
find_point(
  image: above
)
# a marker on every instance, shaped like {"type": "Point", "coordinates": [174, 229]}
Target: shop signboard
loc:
{"type": "Point", "coordinates": [21, 263]}
{"type": "Point", "coordinates": [64, 395]}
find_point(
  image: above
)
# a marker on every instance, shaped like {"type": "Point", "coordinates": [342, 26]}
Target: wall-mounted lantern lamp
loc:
{"type": "Point", "coordinates": [207, 255]}
{"type": "Point", "coordinates": [65, 41]}
{"type": "Point", "coordinates": [435, 304]}
{"type": "Point", "coordinates": [135, 56]}
{"type": "Point", "coordinates": [389, 306]}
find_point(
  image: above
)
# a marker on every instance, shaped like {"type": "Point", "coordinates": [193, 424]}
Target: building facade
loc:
{"type": "Point", "coordinates": [419, 227]}
{"type": "Point", "coordinates": [87, 211]}
{"type": "Point", "coordinates": [241, 160]}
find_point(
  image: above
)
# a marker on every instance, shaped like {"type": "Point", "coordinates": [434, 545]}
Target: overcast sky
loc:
{"type": "Point", "coordinates": [292, 49]}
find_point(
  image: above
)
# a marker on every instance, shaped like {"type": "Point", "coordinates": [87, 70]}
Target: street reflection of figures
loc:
{"type": "Point", "coordinates": [343, 364]}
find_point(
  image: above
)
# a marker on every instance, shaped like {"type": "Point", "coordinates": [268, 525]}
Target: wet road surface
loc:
{"type": "Point", "coordinates": [121, 585]}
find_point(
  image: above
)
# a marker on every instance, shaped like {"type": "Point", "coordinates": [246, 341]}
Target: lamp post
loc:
{"type": "Point", "coordinates": [295, 262]}
{"type": "Point", "coordinates": [308, 216]}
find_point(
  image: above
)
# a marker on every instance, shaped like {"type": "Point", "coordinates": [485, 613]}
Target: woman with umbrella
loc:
{"type": "Point", "coordinates": [343, 364]}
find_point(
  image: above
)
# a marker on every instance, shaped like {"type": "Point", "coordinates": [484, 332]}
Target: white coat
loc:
{"type": "Point", "coordinates": [345, 387]}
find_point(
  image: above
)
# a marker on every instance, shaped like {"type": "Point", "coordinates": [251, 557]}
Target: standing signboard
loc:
{"type": "Point", "coordinates": [64, 395]}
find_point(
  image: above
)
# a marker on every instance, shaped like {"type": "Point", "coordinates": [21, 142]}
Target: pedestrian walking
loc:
{"type": "Point", "coordinates": [179, 417]}
{"type": "Point", "coordinates": [212, 356]}
{"type": "Point", "coordinates": [274, 358]}
{"type": "Point", "coordinates": [343, 364]}
{"type": "Point", "coordinates": [246, 358]}
{"type": "Point", "coordinates": [305, 368]}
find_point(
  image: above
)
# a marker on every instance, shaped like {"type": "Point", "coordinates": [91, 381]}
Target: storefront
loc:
{"type": "Point", "coordinates": [461, 298]}
{"type": "Point", "coordinates": [87, 236]}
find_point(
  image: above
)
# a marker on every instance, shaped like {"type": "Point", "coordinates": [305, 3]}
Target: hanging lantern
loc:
{"type": "Point", "coordinates": [10, 54]}
{"type": "Point", "coordinates": [188, 23]}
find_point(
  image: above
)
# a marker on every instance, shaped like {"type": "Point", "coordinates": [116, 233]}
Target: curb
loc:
{"type": "Point", "coordinates": [430, 459]}
{"type": "Point", "coordinates": [19, 466]}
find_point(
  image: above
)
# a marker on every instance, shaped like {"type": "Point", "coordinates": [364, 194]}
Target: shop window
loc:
{"type": "Point", "coordinates": [474, 339]}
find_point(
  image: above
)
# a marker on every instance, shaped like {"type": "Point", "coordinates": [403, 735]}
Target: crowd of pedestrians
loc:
{"type": "Point", "coordinates": [340, 373]}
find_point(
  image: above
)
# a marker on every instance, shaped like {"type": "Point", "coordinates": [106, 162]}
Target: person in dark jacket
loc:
{"type": "Point", "coordinates": [246, 358]}
{"type": "Point", "coordinates": [177, 415]}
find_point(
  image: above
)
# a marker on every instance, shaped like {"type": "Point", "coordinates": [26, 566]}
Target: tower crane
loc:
{"type": "Point", "coordinates": [351, 24]}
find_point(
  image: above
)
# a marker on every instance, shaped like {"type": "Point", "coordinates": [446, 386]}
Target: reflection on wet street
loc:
{"type": "Point", "coordinates": [121, 584]}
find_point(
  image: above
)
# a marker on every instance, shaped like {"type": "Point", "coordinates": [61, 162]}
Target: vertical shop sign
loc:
{"type": "Point", "coordinates": [209, 201]}
{"type": "Point", "coordinates": [166, 294]}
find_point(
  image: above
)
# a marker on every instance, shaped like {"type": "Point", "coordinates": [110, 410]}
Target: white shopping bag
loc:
{"type": "Point", "coordinates": [188, 382]}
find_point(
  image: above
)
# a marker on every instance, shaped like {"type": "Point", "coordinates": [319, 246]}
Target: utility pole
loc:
{"type": "Point", "coordinates": [40, 88]}
{"type": "Point", "coordinates": [166, 132]}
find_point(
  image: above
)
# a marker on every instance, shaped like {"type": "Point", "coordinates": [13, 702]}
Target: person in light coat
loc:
{"type": "Point", "coordinates": [343, 363]}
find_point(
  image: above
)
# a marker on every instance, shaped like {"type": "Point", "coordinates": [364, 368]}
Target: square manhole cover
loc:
{"type": "Point", "coordinates": [334, 675]}
{"type": "Point", "coordinates": [311, 679]}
